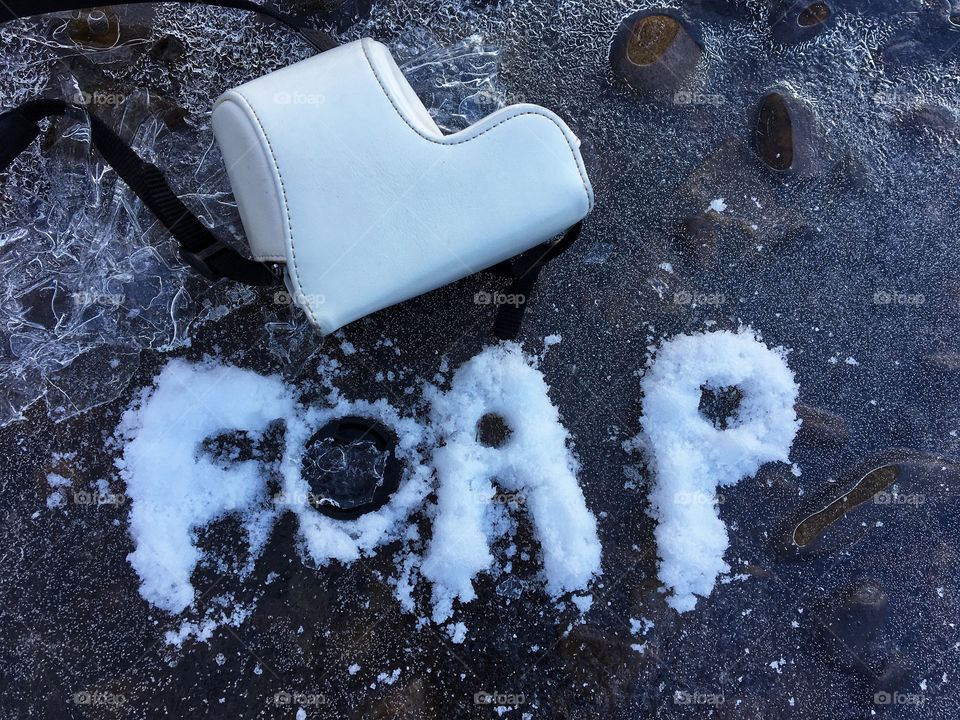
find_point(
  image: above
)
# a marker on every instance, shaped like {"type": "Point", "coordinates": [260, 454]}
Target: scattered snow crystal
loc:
{"type": "Point", "coordinates": [457, 632]}
{"type": "Point", "coordinates": [690, 457]}
{"type": "Point", "coordinates": [583, 603]}
{"type": "Point", "coordinates": [535, 463]}
{"type": "Point", "coordinates": [55, 480]}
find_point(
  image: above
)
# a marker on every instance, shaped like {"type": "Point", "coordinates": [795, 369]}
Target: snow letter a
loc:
{"type": "Point", "coordinates": [534, 463]}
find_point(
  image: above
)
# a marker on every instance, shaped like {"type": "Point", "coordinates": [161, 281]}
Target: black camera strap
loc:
{"type": "Point", "coordinates": [199, 248]}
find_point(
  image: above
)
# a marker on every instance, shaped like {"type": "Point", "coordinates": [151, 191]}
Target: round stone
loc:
{"type": "Point", "coordinates": [653, 52]}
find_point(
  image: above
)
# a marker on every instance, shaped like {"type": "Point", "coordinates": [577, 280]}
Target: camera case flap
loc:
{"type": "Point", "coordinates": [341, 175]}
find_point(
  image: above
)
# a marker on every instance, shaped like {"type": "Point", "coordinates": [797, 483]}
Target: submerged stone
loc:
{"type": "Point", "coordinates": [821, 428]}
{"type": "Point", "coordinates": [652, 52]}
{"type": "Point", "coordinates": [110, 28]}
{"type": "Point", "coordinates": [600, 662]}
{"type": "Point", "coordinates": [930, 117]}
{"type": "Point", "coordinates": [875, 481]}
{"type": "Point", "coordinates": [794, 22]}
{"type": "Point", "coordinates": [94, 28]}
{"type": "Point", "coordinates": [896, 482]}
{"type": "Point", "coordinates": [755, 214]}
{"type": "Point", "coordinates": [775, 133]}
{"type": "Point", "coordinates": [931, 37]}
{"type": "Point", "coordinates": [894, 675]}
{"type": "Point", "coordinates": [783, 133]}
{"type": "Point", "coordinates": [903, 52]}
{"type": "Point", "coordinates": [168, 49]}
{"type": "Point", "coordinates": [852, 627]}
{"type": "Point", "coordinates": [698, 238]}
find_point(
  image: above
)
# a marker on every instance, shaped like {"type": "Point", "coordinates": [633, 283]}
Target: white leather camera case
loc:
{"type": "Point", "coordinates": [341, 175]}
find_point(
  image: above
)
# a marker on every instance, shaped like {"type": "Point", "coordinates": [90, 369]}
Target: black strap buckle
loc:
{"type": "Point", "coordinates": [198, 260]}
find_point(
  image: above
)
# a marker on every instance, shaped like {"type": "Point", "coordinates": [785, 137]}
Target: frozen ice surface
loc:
{"type": "Point", "coordinates": [831, 265]}
{"type": "Point", "coordinates": [457, 83]}
{"type": "Point", "coordinates": [345, 476]}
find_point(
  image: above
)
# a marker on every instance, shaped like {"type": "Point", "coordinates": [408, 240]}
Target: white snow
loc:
{"type": "Point", "coordinates": [223, 611]}
{"type": "Point", "coordinates": [690, 457]}
{"type": "Point", "coordinates": [535, 463]}
{"type": "Point", "coordinates": [583, 603]}
{"type": "Point", "coordinates": [176, 490]}
{"type": "Point", "coordinates": [389, 678]}
{"type": "Point", "coordinates": [718, 205]}
{"type": "Point", "coordinates": [550, 340]}
{"type": "Point", "coordinates": [457, 632]}
{"type": "Point", "coordinates": [353, 669]}
{"type": "Point", "coordinates": [57, 499]}
{"type": "Point", "coordinates": [55, 480]}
